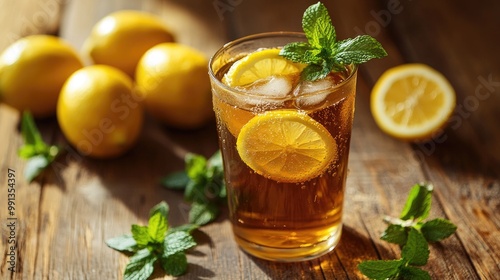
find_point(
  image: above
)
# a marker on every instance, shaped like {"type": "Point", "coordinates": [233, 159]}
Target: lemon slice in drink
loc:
{"type": "Point", "coordinates": [412, 101]}
{"type": "Point", "coordinates": [258, 65]}
{"type": "Point", "coordinates": [286, 146]}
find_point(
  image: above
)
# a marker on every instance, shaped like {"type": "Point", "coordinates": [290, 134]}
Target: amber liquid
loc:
{"type": "Point", "coordinates": [286, 221]}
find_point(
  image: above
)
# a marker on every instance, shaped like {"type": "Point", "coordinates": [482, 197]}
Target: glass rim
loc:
{"type": "Point", "coordinates": [283, 34]}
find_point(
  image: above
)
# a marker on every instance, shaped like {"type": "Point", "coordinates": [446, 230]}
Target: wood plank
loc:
{"type": "Point", "coordinates": [27, 17]}
{"type": "Point", "coordinates": [82, 202]}
{"type": "Point", "coordinates": [463, 162]}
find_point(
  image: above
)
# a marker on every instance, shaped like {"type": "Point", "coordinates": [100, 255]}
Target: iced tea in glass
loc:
{"type": "Point", "coordinates": [285, 147]}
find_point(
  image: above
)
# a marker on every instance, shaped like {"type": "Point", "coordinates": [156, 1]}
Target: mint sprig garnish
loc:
{"type": "Point", "coordinates": [156, 241]}
{"type": "Point", "coordinates": [39, 154]}
{"type": "Point", "coordinates": [323, 53]}
{"type": "Point", "coordinates": [413, 235]}
{"type": "Point", "coordinates": [203, 185]}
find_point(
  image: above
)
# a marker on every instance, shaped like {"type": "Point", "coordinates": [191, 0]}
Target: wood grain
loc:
{"type": "Point", "coordinates": [66, 215]}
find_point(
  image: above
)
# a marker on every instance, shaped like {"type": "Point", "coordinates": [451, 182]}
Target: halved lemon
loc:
{"type": "Point", "coordinates": [286, 146]}
{"type": "Point", "coordinates": [258, 65]}
{"type": "Point", "coordinates": [412, 101]}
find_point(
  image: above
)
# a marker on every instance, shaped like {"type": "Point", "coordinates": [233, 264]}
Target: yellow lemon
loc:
{"type": "Point", "coordinates": [259, 65]}
{"type": "Point", "coordinates": [172, 78]}
{"type": "Point", "coordinates": [286, 146]}
{"type": "Point", "coordinates": [121, 38]}
{"type": "Point", "coordinates": [32, 72]}
{"type": "Point", "coordinates": [412, 101]}
{"type": "Point", "coordinates": [98, 112]}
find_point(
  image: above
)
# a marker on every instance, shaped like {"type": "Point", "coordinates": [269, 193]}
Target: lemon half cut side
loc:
{"type": "Point", "coordinates": [286, 146]}
{"type": "Point", "coordinates": [412, 101]}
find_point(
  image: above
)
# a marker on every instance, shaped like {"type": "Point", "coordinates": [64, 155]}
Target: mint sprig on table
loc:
{"type": "Point", "coordinates": [323, 53]}
{"type": "Point", "coordinates": [39, 154]}
{"type": "Point", "coordinates": [155, 242]}
{"type": "Point", "coordinates": [203, 184]}
{"type": "Point", "coordinates": [413, 235]}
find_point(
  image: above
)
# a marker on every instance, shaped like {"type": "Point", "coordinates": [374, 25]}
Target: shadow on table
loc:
{"type": "Point", "coordinates": [134, 179]}
{"type": "Point", "coordinates": [341, 263]}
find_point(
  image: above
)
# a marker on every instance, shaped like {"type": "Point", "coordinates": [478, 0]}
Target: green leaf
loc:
{"type": "Point", "coordinates": [318, 27]}
{"type": "Point", "coordinates": [141, 235]}
{"type": "Point", "coordinates": [395, 234]}
{"type": "Point", "coordinates": [186, 228]}
{"type": "Point", "coordinates": [195, 192]}
{"type": "Point", "coordinates": [413, 273]}
{"type": "Point", "coordinates": [312, 72]}
{"type": "Point", "coordinates": [380, 269]}
{"type": "Point", "coordinates": [437, 229]}
{"type": "Point", "coordinates": [215, 162]}
{"type": "Point", "coordinates": [29, 131]}
{"type": "Point", "coordinates": [140, 266]}
{"type": "Point", "coordinates": [358, 50]}
{"type": "Point", "coordinates": [416, 249]}
{"type": "Point", "coordinates": [27, 151]}
{"type": "Point", "coordinates": [176, 242]}
{"type": "Point", "coordinates": [418, 204]}
{"type": "Point", "coordinates": [157, 226]}
{"type": "Point", "coordinates": [176, 180]}
{"type": "Point", "coordinates": [298, 52]}
{"type": "Point", "coordinates": [122, 243]}
{"type": "Point", "coordinates": [203, 213]}
{"type": "Point", "coordinates": [161, 208]}
{"type": "Point", "coordinates": [195, 166]}
{"type": "Point", "coordinates": [175, 264]}
{"type": "Point", "coordinates": [35, 166]}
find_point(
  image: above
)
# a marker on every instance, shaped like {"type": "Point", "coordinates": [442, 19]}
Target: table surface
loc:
{"type": "Point", "coordinates": [64, 217]}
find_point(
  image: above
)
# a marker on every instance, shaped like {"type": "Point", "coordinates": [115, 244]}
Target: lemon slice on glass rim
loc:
{"type": "Point", "coordinates": [258, 65]}
{"type": "Point", "coordinates": [412, 101]}
{"type": "Point", "coordinates": [286, 146]}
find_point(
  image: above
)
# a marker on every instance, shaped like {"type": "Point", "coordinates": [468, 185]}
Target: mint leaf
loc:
{"type": "Point", "coordinates": [418, 204]}
{"type": "Point", "coordinates": [186, 227]}
{"type": "Point", "coordinates": [38, 154]}
{"type": "Point", "coordinates": [155, 242]}
{"type": "Point", "coordinates": [437, 229]}
{"type": "Point", "coordinates": [122, 243]}
{"type": "Point", "coordinates": [202, 214]}
{"type": "Point", "coordinates": [203, 184]}
{"type": "Point", "coordinates": [379, 269]}
{"type": "Point", "coordinates": [141, 266]}
{"type": "Point", "coordinates": [35, 166]}
{"type": "Point", "coordinates": [322, 52]}
{"type": "Point", "coordinates": [161, 208]}
{"type": "Point", "coordinates": [175, 264]}
{"type": "Point", "coordinates": [416, 249]}
{"type": "Point", "coordinates": [195, 166]}
{"type": "Point", "coordinates": [176, 242]}
{"type": "Point", "coordinates": [141, 235]}
{"type": "Point", "coordinates": [413, 273]}
{"type": "Point", "coordinates": [395, 234]}
{"type": "Point", "coordinates": [318, 27]}
{"type": "Point", "coordinates": [176, 181]}
{"type": "Point", "coordinates": [30, 132]}
{"type": "Point", "coordinates": [157, 227]}
{"type": "Point", "coordinates": [358, 50]}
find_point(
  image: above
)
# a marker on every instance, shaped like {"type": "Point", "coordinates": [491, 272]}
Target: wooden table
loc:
{"type": "Point", "coordinates": [64, 217]}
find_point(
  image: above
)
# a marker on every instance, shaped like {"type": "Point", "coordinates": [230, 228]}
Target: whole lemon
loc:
{"type": "Point", "coordinates": [33, 71]}
{"type": "Point", "coordinates": [173, 80]}
{"type": "Point", "coordinates": [98, 112]}
{"type": "Point", "coordinates": [121, 38]}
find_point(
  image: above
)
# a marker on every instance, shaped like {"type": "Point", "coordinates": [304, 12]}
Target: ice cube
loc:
{"type": "Point", "coordinates": [309, 93]}
{"type": "Point", "coordinates": [273, 90]}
